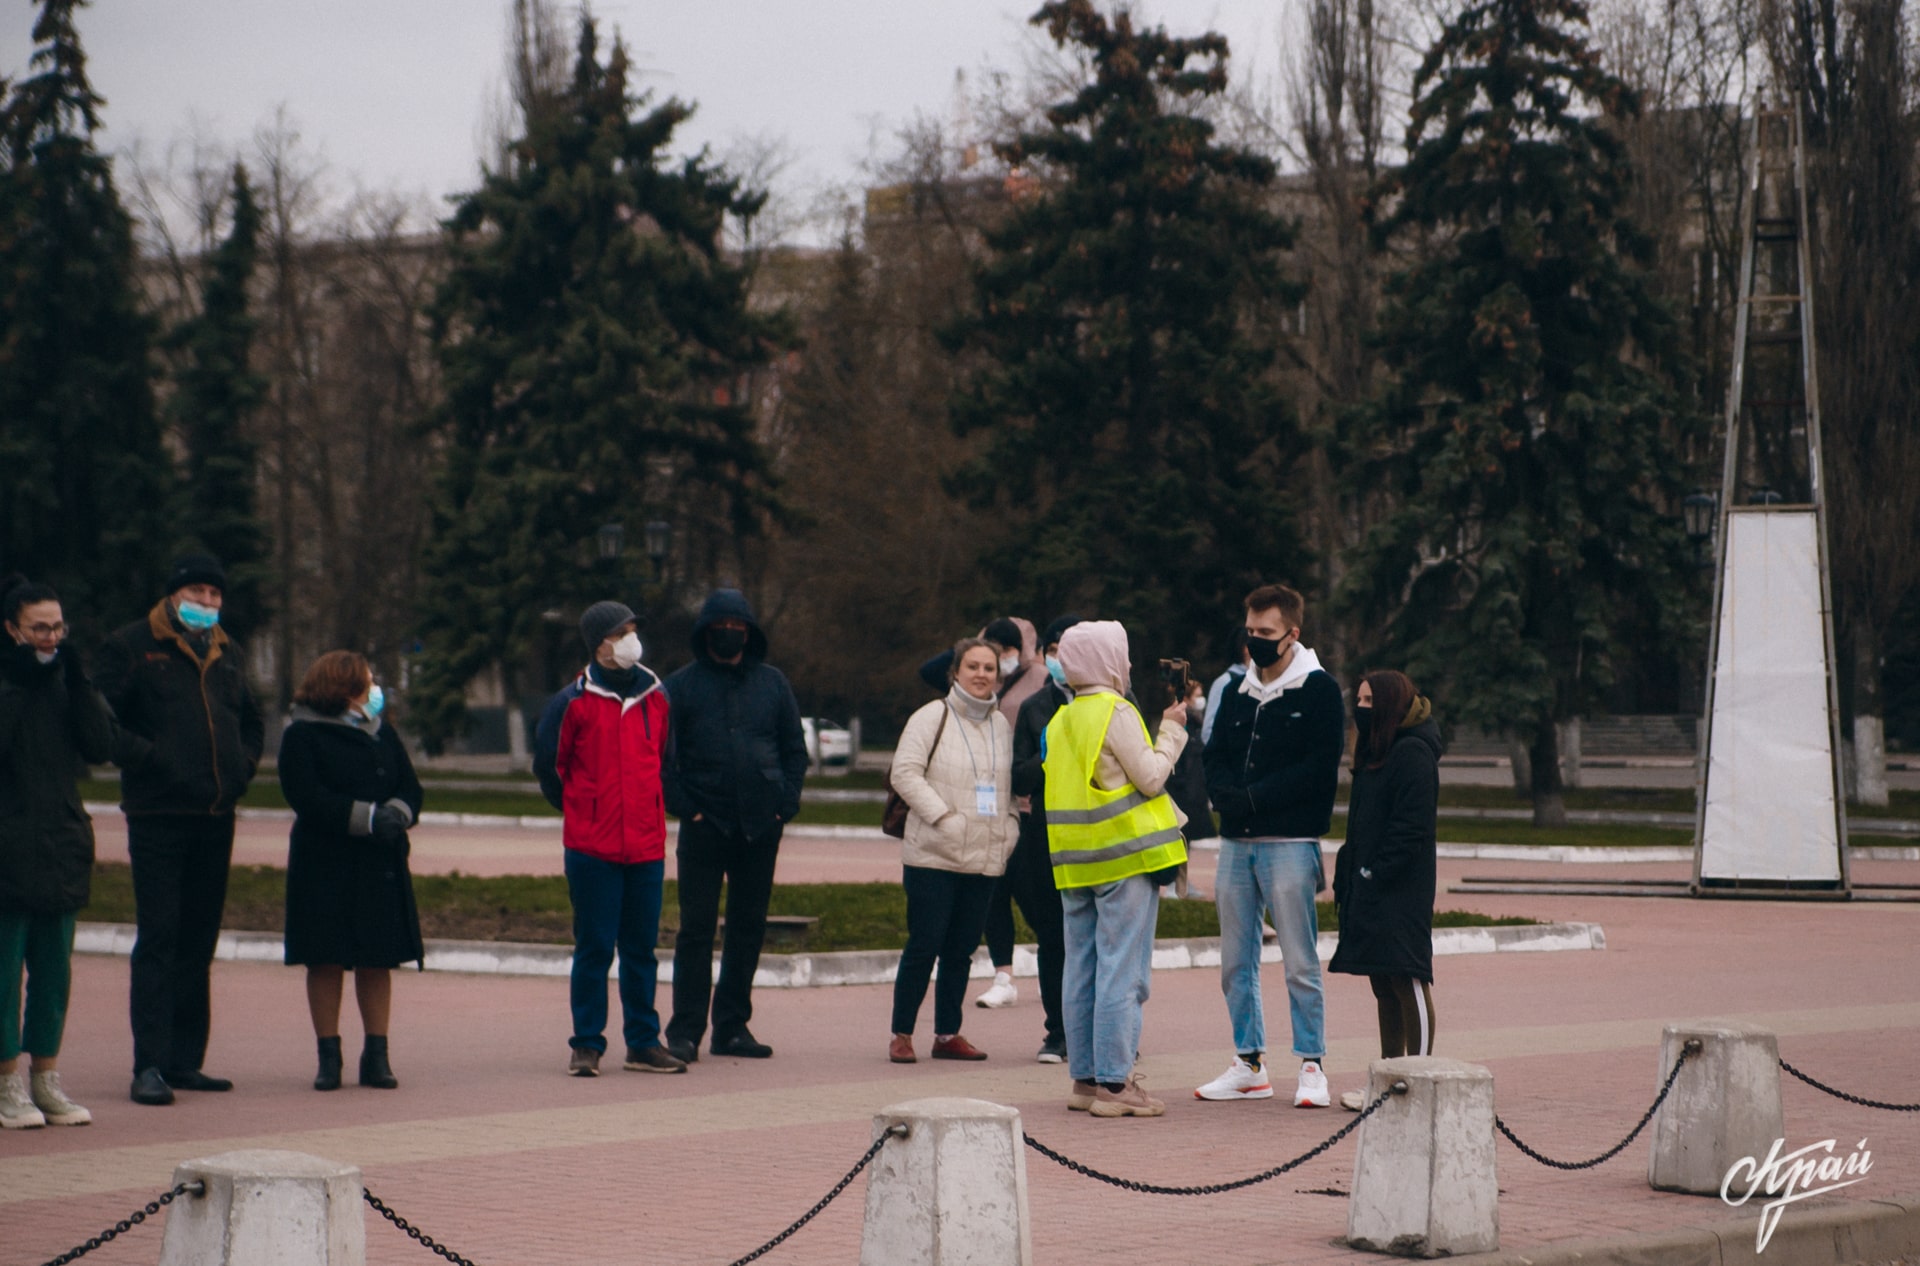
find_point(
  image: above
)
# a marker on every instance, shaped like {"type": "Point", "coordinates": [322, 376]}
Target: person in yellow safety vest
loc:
{"type": "Point", "coordinates": [1113, 835]}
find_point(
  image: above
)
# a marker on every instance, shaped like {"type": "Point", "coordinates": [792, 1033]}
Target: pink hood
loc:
{"type": "Point", "coordinates": [1094, 655]}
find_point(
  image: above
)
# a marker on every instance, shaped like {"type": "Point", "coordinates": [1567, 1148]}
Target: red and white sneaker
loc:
{"type": "Point", "coordinates": [1241, 1081]}
{"type": "Point", "coordinates": [1312, 1090]}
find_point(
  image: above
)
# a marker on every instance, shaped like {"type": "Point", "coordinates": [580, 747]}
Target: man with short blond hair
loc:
{"type": "Point", "coordinates": [1273, 766]}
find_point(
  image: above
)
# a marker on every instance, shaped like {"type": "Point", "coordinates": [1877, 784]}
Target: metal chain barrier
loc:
{"type": "Point", "coordinates": [413, 1232]}
{"type": "Point", "coordinates": [1687, 1051]}
{"type": "Point", "coordinates": [895, 1131]}
{"type": "Point", "coordinates": [132, 1220]}
{"type": "Point", "coordinates": [1841, 1094]}
{"type": "Point", "coordinates": [898, 1131]}
{"type": "Point", "coordinates": [1214, 1189]}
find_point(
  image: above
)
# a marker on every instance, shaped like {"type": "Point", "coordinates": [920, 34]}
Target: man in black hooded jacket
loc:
{"type": "Point", "coordinates": [735, 759]}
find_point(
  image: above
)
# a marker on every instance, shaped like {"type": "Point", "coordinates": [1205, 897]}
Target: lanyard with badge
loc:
{"type": "Point", "coordinates": [986, 797]}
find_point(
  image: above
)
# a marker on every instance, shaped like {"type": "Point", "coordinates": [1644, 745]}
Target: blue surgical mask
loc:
{"type": "Point", "coordinates": [376, 701]}
{"type": "Point", "coordinates": [1056, 672]}
{"type": "Point", "coordinates": [198, 618]}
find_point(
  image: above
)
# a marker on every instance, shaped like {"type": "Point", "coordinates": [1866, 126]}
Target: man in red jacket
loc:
{"type": "Point", "coordinates": [597, 755]}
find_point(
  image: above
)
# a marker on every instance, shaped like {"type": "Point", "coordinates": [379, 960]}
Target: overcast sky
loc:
{"type": "Point", "coordinates": [393, 93]}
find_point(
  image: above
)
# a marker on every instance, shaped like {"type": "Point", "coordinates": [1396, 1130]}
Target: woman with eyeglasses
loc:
{"type": "Point", "coordinates": [51, 721]}
{"type": "Point", "coordinates": [350, 904]}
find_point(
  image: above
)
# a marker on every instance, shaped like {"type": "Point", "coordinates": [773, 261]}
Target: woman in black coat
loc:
{"type": "Point", "coordinates": [1383, 877]}
{"type": "Point", "coordinates": [349, 895]}
{"type": "Point", "coordinates": [52, 722]}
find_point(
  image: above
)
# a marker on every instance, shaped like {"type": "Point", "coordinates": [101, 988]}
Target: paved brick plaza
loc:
{"type": "Point", "coordinates": [490, 1148]}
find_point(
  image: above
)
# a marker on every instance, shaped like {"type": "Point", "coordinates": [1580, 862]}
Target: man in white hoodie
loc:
{"type": "Point", "coordinates": [1273, 766]}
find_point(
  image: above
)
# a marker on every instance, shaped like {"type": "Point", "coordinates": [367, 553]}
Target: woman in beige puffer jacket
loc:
{"type": "Point", "coordinates": [954, 768]}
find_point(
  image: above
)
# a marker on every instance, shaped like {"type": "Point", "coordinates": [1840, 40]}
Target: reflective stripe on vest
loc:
{"type": "Point", "coordinates": [1096, 836]}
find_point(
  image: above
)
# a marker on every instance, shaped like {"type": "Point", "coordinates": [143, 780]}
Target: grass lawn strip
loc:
{"type": "Point", "coordinates": [534, 909]}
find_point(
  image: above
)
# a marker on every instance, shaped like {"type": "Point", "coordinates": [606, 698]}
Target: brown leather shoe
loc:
{"type": "Point", "coordinates": [900, 1050]}
{"type": "Point", "coordinates": [956, 1047]}
{"type": "Point", "coordinates": [1080, 1098]}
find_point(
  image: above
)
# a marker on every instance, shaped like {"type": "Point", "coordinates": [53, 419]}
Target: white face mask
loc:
{"type": "Point", "coordinates": [626, 651]}
{"type": "Point", "coordinates": [1009, 664]}
{"type": "Point", "coordinates": [46, 657]}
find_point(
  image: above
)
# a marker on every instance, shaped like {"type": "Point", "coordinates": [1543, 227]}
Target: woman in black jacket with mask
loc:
{"type": "Point", "coordinates": [1383, 877]}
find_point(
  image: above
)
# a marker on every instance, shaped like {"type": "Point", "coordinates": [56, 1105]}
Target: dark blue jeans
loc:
{"type": "Point", "coordinates": [614, 906]}
{"type": "Point", "coordinates": [945, 912]}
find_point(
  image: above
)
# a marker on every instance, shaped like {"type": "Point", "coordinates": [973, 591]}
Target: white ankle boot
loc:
{"type": "Point", "coordinates": [53, 1102]}
{"type": "Point", "coordinates": [16, 1108]}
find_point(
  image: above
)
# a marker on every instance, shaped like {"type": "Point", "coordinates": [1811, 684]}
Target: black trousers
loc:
{"type": "Point", "coordinates": [1028, 882]}
{"type": "Point", "coordinates": [945, 911]}
{"type": "Point", "coordinates": [1406, 1015]}
{"type": "Point", "coordinates": [709, 856]}
{"type": "Point", "coordinates": [180, 866]}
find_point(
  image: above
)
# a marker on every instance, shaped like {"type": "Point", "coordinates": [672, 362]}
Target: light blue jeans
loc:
{"type": "Point", "coordinates": [1282, 878]}
{"type": "Point", "coordinates": [1109, 968]}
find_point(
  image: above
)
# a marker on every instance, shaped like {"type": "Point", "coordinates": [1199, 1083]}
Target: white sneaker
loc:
{"type": "Point", "coordinates": [16, 1109]}
{"type": "Point", "coordinates": [1001, 993]}
{"type": "Point", "coordinates": [1312, 1091]}
{"type": "Point", "coordinates": [54, 1104]}
{"type": "Point", "coordinates": [1241, 1081]}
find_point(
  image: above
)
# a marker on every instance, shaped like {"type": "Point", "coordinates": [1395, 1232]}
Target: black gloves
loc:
{"type": "Point", "coordinates": [390, 822]}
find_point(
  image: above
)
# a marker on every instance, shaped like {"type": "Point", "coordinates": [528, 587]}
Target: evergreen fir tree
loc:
{"type": "Point", "coordinates": [215, 394]}
{"type": "Point", "coordinates": [83, 474]}
{"type": "Point", "coordinates": [1124, 337]}
{"type": "Point", "coordinates": [592, 340]}
{"type": "Point", "coordinates": [1527, 440]}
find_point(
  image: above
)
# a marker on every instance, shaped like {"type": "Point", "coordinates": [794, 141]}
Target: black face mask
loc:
{"type": "Point", "coordinates": [726, 643]}
{"type": "Point", "coordinates": [1265, 651]}
{"type": "Point", "coordinates": [1363, 726]}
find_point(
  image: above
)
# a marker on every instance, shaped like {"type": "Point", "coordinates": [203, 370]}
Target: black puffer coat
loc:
{"type": "Point", "coordinates": [349, 896]}
{"type": "Point", "coordinates": [52, 723]}
{"type": "Point", "coordinates": [737, 755]}
{"type": "Point", "coordinates": [190, 732]}
{"type": "Point", "coordinates": [1383, 876]}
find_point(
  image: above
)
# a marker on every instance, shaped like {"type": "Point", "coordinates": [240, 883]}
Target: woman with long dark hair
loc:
{"type": "Point", "coordinates": [350, 900]}
{"type": "Point", "coordinates": [1383, 877]}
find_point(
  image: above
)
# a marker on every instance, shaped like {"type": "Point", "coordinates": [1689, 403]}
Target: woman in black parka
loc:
{"type": "Point", "coordinates": [1383, 876]}
{"type": "Point", "coordinates": [349, 896]}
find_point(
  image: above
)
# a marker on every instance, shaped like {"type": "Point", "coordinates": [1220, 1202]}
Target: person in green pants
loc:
{"type": "Point", "coordinates": [51, 720]}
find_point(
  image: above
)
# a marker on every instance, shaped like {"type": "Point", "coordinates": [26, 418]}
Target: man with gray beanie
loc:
{"type": "Point", "coordinates": [597, 754]}
{"type": "Point", "coordinates": [189, 740]}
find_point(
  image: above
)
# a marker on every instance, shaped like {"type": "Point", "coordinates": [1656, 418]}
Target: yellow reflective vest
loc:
{"type": "Point", "coordinates": [1096, 836]}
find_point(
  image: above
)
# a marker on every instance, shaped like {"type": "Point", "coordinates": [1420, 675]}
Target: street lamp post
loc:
{"type": "Point", "coordinates": [659, 535]}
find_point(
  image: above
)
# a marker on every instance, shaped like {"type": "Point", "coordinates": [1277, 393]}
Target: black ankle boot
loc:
{"type": "Point", "coordinates": [374, 1069]}
{"type": "Point", "coordinates": [328, 1078]}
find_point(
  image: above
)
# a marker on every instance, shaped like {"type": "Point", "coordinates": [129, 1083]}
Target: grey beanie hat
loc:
{"type": "Point", "coordinates": [601, 619]}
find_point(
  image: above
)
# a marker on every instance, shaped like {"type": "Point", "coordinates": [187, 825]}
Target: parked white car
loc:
{"type": "Point", "coordinates": [828, 742]}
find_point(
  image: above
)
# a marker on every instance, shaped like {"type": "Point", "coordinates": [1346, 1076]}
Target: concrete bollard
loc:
{"type": "Point", "coordinates": [1724, 1105]}
{"type": "Point", "coordinates": [267, 1208]}
{"type": "Point", "coordinates": [953, 1192]}
{"type": "Point", "coordinates": [1423, 1176]}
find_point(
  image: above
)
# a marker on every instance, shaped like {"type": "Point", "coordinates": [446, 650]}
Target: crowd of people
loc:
{"type": "Point", "coordinates": [1032, 780]}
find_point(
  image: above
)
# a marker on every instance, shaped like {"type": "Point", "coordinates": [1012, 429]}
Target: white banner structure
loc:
{"type": "Point", "coordinates": [1771, 813]}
